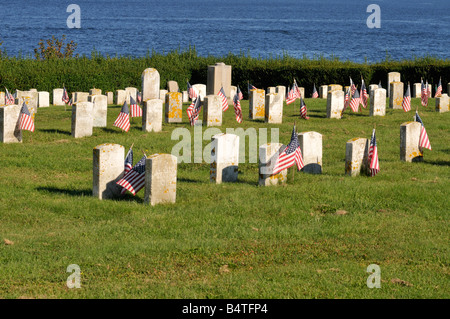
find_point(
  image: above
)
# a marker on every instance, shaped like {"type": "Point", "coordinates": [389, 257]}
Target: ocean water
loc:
{"type": "Point", "coordinates": [409, 28]}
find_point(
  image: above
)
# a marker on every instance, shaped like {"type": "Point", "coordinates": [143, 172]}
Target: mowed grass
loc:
{"type": "Point", "coordinates": [231, 240]}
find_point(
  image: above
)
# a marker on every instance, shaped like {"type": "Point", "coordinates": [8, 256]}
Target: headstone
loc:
{"type": "Point", "coordinates": [2, 98]}
{"type": "Point", "coordinates": [120, 96]}
{"type": "Point", "coordinates": [172, 86]}
{"type": "Point", "coordinates": [57, 97]}
{"type": "Point", "coordinates": [212, 110]}
{"type": "Point", "coordinates": [99, 110]}
{"type": "Point", "coordinates": [160, 179]}
{"type": "Point", "coordinates": [282, 91]}
{"type": "Point", "coordinates": [185, 96]}
{"type": "Point", "coordinates": [409, 142]}
{"type": "Point", "coordinates": [273, 108]}
{"type": "Point", "coordinates": [268, 154]}
{"type": "Point", "coordinates": [396, 95]}
{"type": "Point", "coordinates": [110, 97]}
{"type": "Point", "coordinates": [256, 104]}
{"type": "Point", "coordinates": [201, 89]}
{"type": "Point", "coordinates": [80, 97]}
{"type": "Point", "coordinates": [152, 115]}
{"type": "Point", "coordinates": [302, 91]}
{"type": "Point", "coordinates": [323, 91]}
{"type": "Point", "coordinates": [430, 89]}
{"type": "Point", "coordinates": [311, 146]}
{"type": "Point", "coordinates": [150, 84]}
{"type": "Point", "coordinates": [162, 94]}
{"type": "Point", "coordinates": [173, 107]}
{"type": "Point", "coordinates": [233, 91]}
{"type": "Point", "coordinates": [30, 98]}
{"type": "Point", "coordinates": [271, 89]}
{"type": "Point", "coordinates": [335, 104]}
{"type": "Point", "coordinates": [335, 87]}
{"type": "Point", "coordinates": [356, 154]}
{"type": "Point", "coordinates": [9, 124]}
{"type": "Point", "coordinates": [224, 158]}
{"type": "Point", "coordinates": [372, 88]}
{"type": "Point", "coordinates": [416, 90]}
{"type": "Point", "coordinates": [43, 99]}
{"type": "Point", "coordinates": [33, 90]}
{"type": "Point", "coordinates": [107, 169]}
{"type": "Point", "coordinates": [448, 88]}
{"type": "Point", "coordinates": [218, 76]}
{"type": "Point", "coordinates": [392, 77]}
{"type": "Point", "coordinates": [82, 119]}
{"type": "Point", "coordinates": [131, 92]}
{"type": "Point", "coordinates": [378, 103]}
{"type": "Point", "coordinates": [442, 103]}
{"type": "Point", "coordinates": [95, 91]}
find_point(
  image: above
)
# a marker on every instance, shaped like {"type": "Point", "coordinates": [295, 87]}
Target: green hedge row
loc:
{"type": "Point", "coordinates": [112, 73]}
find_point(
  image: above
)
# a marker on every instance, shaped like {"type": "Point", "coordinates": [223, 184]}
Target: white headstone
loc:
{"type": "Point", "coordinates": [416, 90]}
{"type": "Point", "coordinates": [43, 99]}
{"type": "Point", "coordinates": [131, 92]}
{"type": "Point", "coordinates": [396, 95]}
{"type": "Point", "coordinates": [311, 146]}
{"type": "Point", "coordinates": [95, 91]}
{"type": "Point", "coordinates": [160, 179]}
{"type": "Point", "coordinates": [224, 158]}
{"type": "Point", "coordinates": [120, 96]}
{"type": "Point", "coordinates": [392, 77]}
{"type": "Point", "coordinates": [280, 89]}
{"type": "Point", "coordinates": [30, 98]}
{"type": "Point", "coordinates": [57, 97]}
{"type": "Point", "coordinates": [162, 94]}
{"type": "Point", "coordinates": [110, 97]}
{"type": "Point", "coordinates": [9, 124]}
{"type": "Point", "coordinates": [409, 142]}
{"type": "Point", "coordinates": [150, 84]}
{"type": "Point", "coordinates": [335, 104]}
{"type": "Point", "coordinates": [172, 86]}
{"type": "Point", "coordinates": [212, 110]}
{"type": "Point", "coordinates": [356, 154]}
{"type": "Point", "coordinates": [323, 91]}
{"type": "Point", "coordinates": [268, 154]}
{"type": "Point", "coordinates": [82, 119]}
{"type": "Point", "coordinates": [273, 108]}
{"type": "Point", "coordinates": [218, 76]}
{"type": "Point", "coordinates": [107, 169]}
{"type": "Point", "coordinates": [185, 96]}
{"type": "Point", "coordinates": [257, 104]}
{"type": "Point", "coordinates": [378, 103]}
{"type": "Point", "coordinates": [152, 115]}
{"type": "Point", "coordinates": [442, 103]}
{"type": "Point", "coordinates": [201, 89]}
{"type": "Point", "coordinates": [99, 110]}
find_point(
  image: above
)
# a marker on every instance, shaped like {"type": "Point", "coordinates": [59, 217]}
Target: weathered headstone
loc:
{"type": "Point", "coordinates": [160, 179]}
{"type": "Point", "coordinates": [185, 96]}
{"type": "Point", "coordinates": [9, 124]}
{"type": "Point", "coordinates": [173, 107]}
{"type": "Point", "coordinates": [273, 108]}
{"type": "Point", "coordinates": [334, 87]}
{"type": "Point", "coordinates": [43, 99]}
{"type": "Point", "coordinates": [335, 104]}
{"type": "Point", "coordinates": [356, 154]}
{"type": "Point", "coordinates": [95, 91]}
{"type": "Point", "coordinates": [233, 91]}
{"type": "Point", "coordinates": [311, 146]}
{"type": "Point", "coordinates": [378, 103]}
{"type": "Point", "coordinates": [256, 104]}
{"type": "Point", "coordinates": [99, 110]}
{"type": "Point", "coordinates": [372, 88]}
{"type": "Point", "coordinates": [30, 98]}
{"type": "Point", "coordinates": [33, 90]}
{"type": "Point", "coordinates": [2, 98]}
{"type": "Point", "coordinates": [152, 115]}
{"type": "Point", "coordinates": [302, 91]}
{"type": "Point", "coordinates": [268, 154]}
{"type": "Point", "coordinates": [110, 97]}
{"type": "Point", "coordinates": [224, 158]}
{"type": "Point", "coordinates": [120, 97]}
{"type": "Point", "coordinates": [107, 169]}
{"type": "Point", "coordinates": [323, 91]}
{"type": "Point", "coordinates": [282, 91]}
{"type": "Point", "coordinates": [150, 84]}
{"type": "Point", "coordinates": [212, 110]}
{"type": "Point", "coordinates": [80, 97]}
{"type": "Point", "coordinates": [82, 119]}
{"type": "Point", "coordinates": [409, 142]}
{"type": "Point", "coordinates": [57, 97]}
{"type": "Point", "coordinates": [396, 95]}
{"type": "Point", "coordinates": [271, 89]}
{"type": "Point", "coordinates": [131, 92]}
{"type": "Point", "coordinates": [201, 90]}
{"type": "Point", "coordinates": [162, 94]}
{"type": "Point", "coordinates": [392, 77]}
{"type": "Point", "coordinates": [442, 103]}
{"type": "Point", "coordinates": [172, 86]}
{"type": "Point", "coordinates": [218, 76]}
{"type": "Point", "coordinates": [416, 90]}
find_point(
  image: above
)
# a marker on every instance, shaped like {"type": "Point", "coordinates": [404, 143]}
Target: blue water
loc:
{"type": "Point", "coordinates": [259, 27]}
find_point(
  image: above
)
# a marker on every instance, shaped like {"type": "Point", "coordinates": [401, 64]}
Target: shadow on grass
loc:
{"type": "Point", "coordinates": [188, 180]}
{"type": "Point", "coordinates": [54, 131]}
{"type": "Point", "coordinates": [109, 130]}
{"type": "Point", "coordinates": [438, 163]}
{"type": "Point", "coordinates": [70, 192]}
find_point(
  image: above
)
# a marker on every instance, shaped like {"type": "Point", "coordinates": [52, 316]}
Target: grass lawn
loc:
{"type": "Point", "coordinates": [231, 240]}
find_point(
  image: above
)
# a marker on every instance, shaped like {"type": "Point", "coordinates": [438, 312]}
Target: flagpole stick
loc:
{"type": "Point", "coordinates": [293, 168]}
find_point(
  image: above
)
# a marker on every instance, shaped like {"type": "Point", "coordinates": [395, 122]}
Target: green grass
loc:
{"type": "Point", "coordinates": [230, 240]}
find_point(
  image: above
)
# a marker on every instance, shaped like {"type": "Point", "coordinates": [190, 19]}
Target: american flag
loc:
{"type": "Point", "coordinates": [423, 139]}
{"type": "Point", "coordinates": [193, 110]}
{"type": "Point", "coordinates": [374, 165]}
{"type": "Point", "coordinates": [191, 91]}
{"type": "Point", "coordinates": [364, 95]}
{"type": "Point", "coordinates": [303, 109]}
{"type": "Point", "coordinates": [291, 155]}
{"type": "Point", "coordinates": [134, 180]}
{"type": "Point", "coordinates": [239, 93]}
{"type": "Point", "coordinates": [250, 87]}
{"type": "Point", "coordinates": [291, 96]}
{"type": "Point", "coordinates": [356, 100]}
{"type": "Point", "coordinates": [65, 96]}
{"type": "Point", "coordinates": [439, 89]}
{"type": "Point", "coordinates": [406, 104]}
{"type": "Point", "coordinates": [346, 99]}
{"type": "Point", "coordinates": [224, 99]}
{"type": "Point", "coordinates": [237, 108]}
{"type": "Point", "coordinates": [128, 165]}
{"type": "Point", "coordinates": [315, 94]}
{"type": "Point", "coordinates": [424, 94]}
{"type": "Point", "coordinates": [297, 89]}
{"type": "Point", "coordinates": [352, 86]}
{"type": "Point", "coordinates": [70, 102]}
{"type": "Point", "coordinates": [26, 122]}
{"type": "Point", "coordinates": [9, 98]}
{"type": "Point", "coordinates": [123, 120]}
{"type": "Point", "coordinates": [139, 97]}
{"type": "Point", "coordinates": [136, 110]}
{"type": "Point", "coordinates": [428, 90]}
